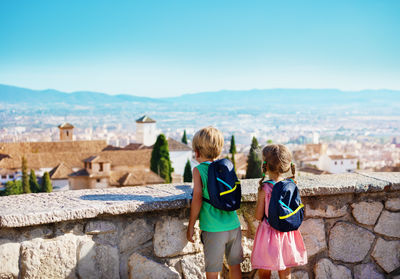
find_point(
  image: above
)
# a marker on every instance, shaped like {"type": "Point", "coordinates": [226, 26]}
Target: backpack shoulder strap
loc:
{"type": "Point", "coordinates": [270, 183]}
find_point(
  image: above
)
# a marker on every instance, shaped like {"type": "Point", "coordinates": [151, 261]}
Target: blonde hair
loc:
{"type": "Point", "coordinates": [277, 158]}
{"type": "Point", "coordinates": [208, 142]}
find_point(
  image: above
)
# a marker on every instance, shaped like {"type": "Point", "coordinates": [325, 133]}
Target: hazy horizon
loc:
{"type": "Point", "coordinates": [199, 92]}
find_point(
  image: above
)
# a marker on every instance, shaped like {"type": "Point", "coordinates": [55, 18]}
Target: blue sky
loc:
{"type": "Point", "coordinates": [168, 48]}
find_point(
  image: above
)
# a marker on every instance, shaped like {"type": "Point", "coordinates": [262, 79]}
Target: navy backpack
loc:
{"type": "Point", "coordinates": [285, 211]}
{"type": "Point", "coordinates": [223, 186]}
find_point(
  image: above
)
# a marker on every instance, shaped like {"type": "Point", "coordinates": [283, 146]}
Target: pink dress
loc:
{"type": "Point", "coordinates": [275, 250]}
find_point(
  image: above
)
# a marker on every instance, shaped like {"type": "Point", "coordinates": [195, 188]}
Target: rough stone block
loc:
{"type": "Point", "coordinates": [368, 270]}
{"type": "Point", "coordinates": [170, 238]}
{"type": "Point", "coordinates": [349, 243]}
{"type": "Point", "coordinates": [54, 258]}
{"type": "Point", "coordinates": [193, 266]}
{"type": "Point", "coordinates": [387, 254]}
{"type": "Point", "coordinates": [328, 212]}
{"type": "Point", "coordinates": [325, 269]}
{"type": "Point", "coordinates": [97, 261]}
{"type": "Point", "coordinates": [146, 250]}
{"type": "Point", "coordinates": [135, 234]}
{"type": "Point", "coordinates": [69, 227]}
{"type": "Point", "coordinates": [367, 212]}
{"type": "Point", "coordinates": [313, 232]}
{"type": "Point", "coordinates": [9, 257]}
{"type": "Point", "coordinates": [300, 275]}
{"type": "Point", "coordinates": [38, 232]}
{"type": "Point", "coordinates": [389, 224]}
{"type": "Point", "coordinates": [100, 227]}
{"type": "Point", "coordinates": [142, 267]}
{"type": "Point", "coordinates": [247, 244]}
{"type": "Point", "coordinates": [393, 204]}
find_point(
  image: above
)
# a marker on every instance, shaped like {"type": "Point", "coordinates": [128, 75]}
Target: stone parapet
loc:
{"type": "Point", "coordinates": [351, 230]}
{"type": "Point", "coordinates": [44, 208]}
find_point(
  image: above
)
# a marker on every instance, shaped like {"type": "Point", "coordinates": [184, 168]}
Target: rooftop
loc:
{"type": "Point", "coordinates": [66, 125]}
{"type": "Point", "coordinates": [174, 145]}
{"type": "Point", "coordinates": [61, 171]}
{"type": "Point", "coordinates": [145, 119]}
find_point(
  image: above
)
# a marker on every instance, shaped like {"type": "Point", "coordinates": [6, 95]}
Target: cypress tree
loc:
{"type": "Point", "coordinates": [33, 183]}
{"type": "Point", "coordinates": [160, 151]}
{"type": "Point", "coordinates": [25, 178]}
{"type": "Point", "coordinates": [187, 174]}
{"type": "Point", "coordinates": [253, 161]}
{"type": "Point", "coordinates": [184, 137]}
{"type": "Point", "coordinates": [165, 170]}
{"type": "Point", "coordinates": [46, 183]}
{"type": "Point", "coordinates": [233, 160]}
{"type": "Point", "coordinates": [232, 149]}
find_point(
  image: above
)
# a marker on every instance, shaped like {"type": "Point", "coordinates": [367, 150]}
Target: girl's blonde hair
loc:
{"type": "Point", "coordinates": [277, 158]}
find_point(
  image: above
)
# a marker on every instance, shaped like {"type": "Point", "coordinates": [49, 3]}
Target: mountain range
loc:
{"type": "Point", "coordinates": [385, 101]}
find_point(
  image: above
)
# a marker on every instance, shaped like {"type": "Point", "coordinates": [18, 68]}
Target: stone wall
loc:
{"type": "Point", "coordinates": [351, 230]}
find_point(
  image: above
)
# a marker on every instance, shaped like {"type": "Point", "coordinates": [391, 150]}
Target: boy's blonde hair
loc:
{"type": "Point", "coordinates": [208, 142]}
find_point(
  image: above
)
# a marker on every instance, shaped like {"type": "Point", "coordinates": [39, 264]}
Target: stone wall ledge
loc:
{"type": "Point", "coordinates": [36, 209]}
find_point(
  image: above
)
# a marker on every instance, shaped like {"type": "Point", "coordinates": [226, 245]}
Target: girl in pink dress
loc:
{"type": "Point", "coordinates": [272, 249]}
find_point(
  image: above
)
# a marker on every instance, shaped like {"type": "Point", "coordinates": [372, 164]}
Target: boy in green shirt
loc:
{"type": "Point", "coordinates": [221, 233]}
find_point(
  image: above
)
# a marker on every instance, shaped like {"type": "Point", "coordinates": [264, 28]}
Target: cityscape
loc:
{"type": "Point", "coordinates": [357, 135]}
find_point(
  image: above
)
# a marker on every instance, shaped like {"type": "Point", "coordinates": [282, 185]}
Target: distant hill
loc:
{"type": "Point", "coordinates": [14, 95]}
{"type": "Point", "coordinates": [387, 101]}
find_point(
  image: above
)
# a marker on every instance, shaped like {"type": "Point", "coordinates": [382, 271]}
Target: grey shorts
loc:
{"type": "Point", "coordinates": [216, 244]}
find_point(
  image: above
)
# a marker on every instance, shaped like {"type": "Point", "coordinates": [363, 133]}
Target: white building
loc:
{"type": "Point", "coordinates": [337, 163]}
{"type": "Point", "coordinates": [179, 154]}
{"type": "Point", "coordinates": [146, 132]}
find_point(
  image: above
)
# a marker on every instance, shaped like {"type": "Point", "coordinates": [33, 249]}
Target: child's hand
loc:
{"type": "Point", "coordinates": [189, 233]}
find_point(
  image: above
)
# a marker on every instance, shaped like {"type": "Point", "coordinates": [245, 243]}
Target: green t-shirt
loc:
{"type": "Point", "coordinates": [212, 219]}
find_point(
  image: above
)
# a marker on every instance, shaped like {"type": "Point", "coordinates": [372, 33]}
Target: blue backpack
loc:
{"type": "Point", "coordinates": [223, 186]}
{"type": "Point", "coordinates": [285, 211]}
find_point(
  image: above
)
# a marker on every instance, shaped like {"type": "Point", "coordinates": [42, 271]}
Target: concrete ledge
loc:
{"type": "Point", "coordinates": [36, 209]}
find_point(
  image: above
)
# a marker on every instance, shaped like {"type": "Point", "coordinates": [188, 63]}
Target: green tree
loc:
{"type": "Point", "coordinates": [164, 168]}
{"type": "Point", "coordinates": [358, 164]}
{"type": "Point", "coordinates": [33, 183]}
{"type": "Point", "coordinates": [184, 137]}
{"type": "Point", "coordinates": [232, 150]}
{"type": "Point", "coordinates": [25, 178]}
{"type": "Point", "coordinates": [46, 183]}
{"type": "Point", "coordinates": [13, 188]}
{"type": "Point", "coordinates": [233, 161]}
{"type": "Point", "coordinates": [187, 174]}
{"type": "Point", "coordinates": [269, 141]}
{"type": "Point", "coordinates": [253, 161]}
{"type": "Point", "coordinates": [160, 151]}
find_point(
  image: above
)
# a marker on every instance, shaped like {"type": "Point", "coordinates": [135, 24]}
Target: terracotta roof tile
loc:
{"type": "Point", "coordinates": [60, 172]}
{"type": "Point", "coordinates": [341, 157]}
{"type": "Point", "coordinates": [84, 146]}
{"type": "Point", "coordinates": [134, 177]}
{"type": "Point", "coordinates": [137, 146]}
{"type": "Point", "coordinates": [174, 145]}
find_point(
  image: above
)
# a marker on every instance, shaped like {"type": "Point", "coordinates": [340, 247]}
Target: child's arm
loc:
{"type": "Point", "coordinates": [197, 201]}
{"type": "Point", "coordinates": [260, 207]}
